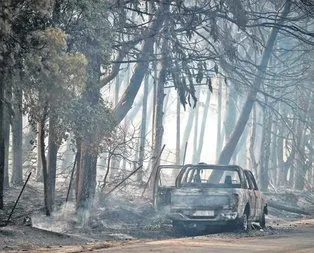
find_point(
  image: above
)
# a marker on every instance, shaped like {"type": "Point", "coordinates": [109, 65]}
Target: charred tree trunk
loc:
{"type": "Point", "coordinates": [6, 132]}
{"type": "Point", "coordinates": [219, 140]}
{"type": "Point", "coordinates": [273, 154]}
{"type": "Point", "coordinates": [252, 160]}
{"type": "Point", "coordinates": [89, 143]}
{"type": "Point", "coordinates": [178, 131]}
{"type": "Point", "coordinates": [77, 168]}
{"type": "Point", "coordinates": [281, 179]}
{"type": "Point", "coordinates": [47, 196]}
{"type": "Point", "coordinates": [159, 129]}
{"type": "Point", "coordinates": [230, 146]}
{"type": "Point", "coordinates": [39, 170]}
{"type": "Point", "coordinates": [265, 151]}
{"type": "Point", "coordinates": [115, 160]}
{"type": "Point", "coordinates": [52, 157]}
{"type": "Point", "coordinates": [195, 137]}
{"type": "Point", "coordinates": [143, 131]}
{"type": "Point", "coordinates": [87, 175]}
{"type": "Point", "coordinates": [17, 139]}
{"type": "Point", "coordinates": [2, 143]}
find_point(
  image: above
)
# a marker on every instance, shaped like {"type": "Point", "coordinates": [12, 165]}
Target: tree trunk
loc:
{"type": "Point", "coordinates": [273, 154]}
{"type": "Point", "coordinates": [77, 169]}
{"type": "Point", "coordinates": [143, 131]}
{"type": "Point", "coordinates": [52, 157]}
{"type": "Point", "coordinates": [115, 160]}
{"type": "Point", "coordinates": [6, 132]}
{"type": "Point", "coordinates": [178, 131]}
{"type": "Point", "coordinates": [2, 143]}
{"type": "Point", "coordinates": [39, 170]}
{"type": "Point", "coordinates": [195, 138]}
{"type": "Point", "coordinates": [47, 196]}
{"type": "Point", "coordinates": [252, 161]}
{"type": "Point", "coordinates": [127, 99]}
{"type": "Point", "coordinates": [203, 126]}
{"type": "Point", "coordinates": [219, 115]}
{"type": "Point", "coordinates": [159, 129]}
{"type": "Point", "coordinates": [301, 165]}
{"type": "Point", "coordinates": [230, 146]}
{"type": "Point", "coordinates": [87, 176]}
{"type": "Point", "coordinates": [187, 130]}
{"type": "Point", "coordinates": [281, 179]}
{"type": "Point", "coordinates": [265, 153]}
{"type": "Point", "coordinates": [17, 140]}
{"type": "Point", "coordinates": [86, 181]}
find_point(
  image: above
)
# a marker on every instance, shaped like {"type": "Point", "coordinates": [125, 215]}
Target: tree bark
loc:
{"type": "Point", "coordinates": [143, 131]}
{"type": "Point", "coordinates": [86, 181]}
{"type": "Point", "coordinates": [219, 115]}
{"type": "Point", "coordinates": [281, 180]}
{"type": "Point", "coordinates": [2, 143]}
{"type": "Point", "coordinates": [195, 128]}
{"type": "Point", "coordinates": [178, 131]}
{"type": "Point", "coordinates": [273, 154]}
{"type": "Point", "coordinates": [159, 129]}
{"type": "Point", "coordinates": [87, 176]}
{"type": "Point", "coordinates": [47, 196]}
{"type": "Point", "coordinates": [77, 169]}
{"type": "Point", "coordinates": [17, 139]}
{"type": "Point", "coordinates": [265, 151]}
{"type": "Point", "coordinates": [39, 170]}
{"type": "Point", "coordinates": [6, 132]}
{"type": "Point", "coordinates": [252, 161]}
{"type": "Point", "coordinates": [230, 146]}
{"type": "Point", "coordinates": [52, 157]}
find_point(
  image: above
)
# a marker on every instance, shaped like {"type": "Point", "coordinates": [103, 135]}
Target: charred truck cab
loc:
{"type": "Point", "coordinates": [204, 195]}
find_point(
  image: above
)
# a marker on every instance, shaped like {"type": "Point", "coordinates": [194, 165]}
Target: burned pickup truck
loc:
{"type": "Point", "coordinates": [204, 195]}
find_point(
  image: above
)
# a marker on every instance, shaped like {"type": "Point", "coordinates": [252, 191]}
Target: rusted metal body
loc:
{"type": "Point", "coordinates": [208, 195]}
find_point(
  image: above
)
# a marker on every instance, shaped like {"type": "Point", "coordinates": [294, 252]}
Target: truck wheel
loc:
{"type": "Point", "coordinates": [243, 224]}
{"type": "Point", "coordinates": [262, 221]}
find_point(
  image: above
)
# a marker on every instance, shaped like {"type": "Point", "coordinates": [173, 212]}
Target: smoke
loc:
{"type": "Point", "coordinates": [62, 221]}
{"type": "Point", "coordinates": [115, 217]}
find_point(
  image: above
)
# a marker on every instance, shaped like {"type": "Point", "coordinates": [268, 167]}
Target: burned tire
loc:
{"type": "Point", "coordinates": [262, 221]}
{"type": "Point", "coordinates": [243, 222]}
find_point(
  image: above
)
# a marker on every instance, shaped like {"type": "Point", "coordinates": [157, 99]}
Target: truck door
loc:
{"type": "Point", "coordinates": [163, 185]}
{"type": "Point", "coordinates": [259, 208]}
{"type": "Point", "coordinates": [252, 195]}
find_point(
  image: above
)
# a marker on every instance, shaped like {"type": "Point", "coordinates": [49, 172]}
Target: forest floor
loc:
{"type": "Point", "coordinates": [113, 221]}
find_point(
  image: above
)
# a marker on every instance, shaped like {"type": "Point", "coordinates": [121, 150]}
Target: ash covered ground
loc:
{"type": "Point", "coordinates": [120, 217]}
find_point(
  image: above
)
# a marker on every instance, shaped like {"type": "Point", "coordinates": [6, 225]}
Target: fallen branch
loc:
{"type": "Point", "coordinates": [132, 173]}
{"type": "Point", "coordinates": [18, 198]}
{"type": "Point", "coordinates": [284, 207]}
{"type": "Point", "coordinates": [71, 178]}
{"type": "Point", "coordinates": [153, 169]}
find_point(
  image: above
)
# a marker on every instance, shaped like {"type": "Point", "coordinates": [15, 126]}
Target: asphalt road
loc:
{"type": "Point", "coordinates": [299, 241]}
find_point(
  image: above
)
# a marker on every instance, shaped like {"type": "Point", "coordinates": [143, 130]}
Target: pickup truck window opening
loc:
{"type": "Point", "coordinates": [249, 181]}
{"type": "Point", "coordinates": [253, 180]}
{"type": "Point", "coordinates": [200, 177]}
